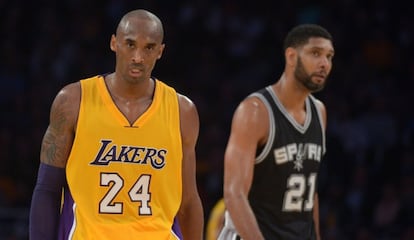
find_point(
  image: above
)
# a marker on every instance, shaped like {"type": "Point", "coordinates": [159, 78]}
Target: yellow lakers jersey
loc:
{"type": "Point", "coordinates": [124, 181]}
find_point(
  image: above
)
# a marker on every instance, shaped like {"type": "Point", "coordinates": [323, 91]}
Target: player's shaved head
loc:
{"type": "Point", "coordinates": [138, 19]}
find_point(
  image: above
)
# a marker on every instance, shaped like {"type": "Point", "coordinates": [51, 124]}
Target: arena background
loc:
{"type": "Point", "coordinates": [216, 53]}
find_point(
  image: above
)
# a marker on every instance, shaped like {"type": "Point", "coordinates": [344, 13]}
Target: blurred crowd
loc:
{"type": "Point", "coordinates": [216, 53]}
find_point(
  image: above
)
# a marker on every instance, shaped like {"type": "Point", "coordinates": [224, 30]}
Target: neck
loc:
{"type": "Point", "coordinates": [289, 93]}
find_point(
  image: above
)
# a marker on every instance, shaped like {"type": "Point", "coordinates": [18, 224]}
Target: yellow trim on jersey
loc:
{"type": "Point", "coordinates": [216, 220]}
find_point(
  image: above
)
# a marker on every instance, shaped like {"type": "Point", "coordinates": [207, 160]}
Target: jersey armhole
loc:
{"type": "Point", "coordinates": [272, 128]}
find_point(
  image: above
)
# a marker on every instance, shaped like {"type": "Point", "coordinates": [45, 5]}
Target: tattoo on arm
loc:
{"type": "Point", "coordinates": [59, 134]}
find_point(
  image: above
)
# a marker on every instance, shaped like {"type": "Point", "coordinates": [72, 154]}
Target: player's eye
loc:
{"type": "Point", "coordinates": [315, 53]}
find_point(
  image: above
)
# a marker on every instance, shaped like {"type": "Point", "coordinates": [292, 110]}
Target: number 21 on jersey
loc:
{"type": "Point", "coordinates": [294, 200]}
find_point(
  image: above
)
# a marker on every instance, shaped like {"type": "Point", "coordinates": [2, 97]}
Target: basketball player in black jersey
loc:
{"type": "Point", "coordinates": [276, 144]}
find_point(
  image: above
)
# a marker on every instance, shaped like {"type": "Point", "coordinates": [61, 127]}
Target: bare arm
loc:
{"type": "Point", "coordinates": [249, 129]}
{"type": "Point", "coordinates": [58, 139]}
{"type": "Point", "coordinates": [190, 215]}
{"type": "Point", "coordinates": [316, 216]}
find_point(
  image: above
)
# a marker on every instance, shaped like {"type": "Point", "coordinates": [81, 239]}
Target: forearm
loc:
{"type": "Point", "coordinates": [191, 220]}
{"type": "Point", "coordinates": [45, 205]}
{"type": "Point", "coordinates": [316, 217]}
{"type": "Point", "coordinates": [243, 218]}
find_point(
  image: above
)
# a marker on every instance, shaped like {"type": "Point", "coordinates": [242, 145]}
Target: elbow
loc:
{"type": "Point", "coordinates": [233, 195]}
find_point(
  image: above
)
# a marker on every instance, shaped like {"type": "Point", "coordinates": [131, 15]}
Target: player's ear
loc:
{"type": "Point", "coordinates": [290, 56]}
{"type": "Point", "coordinates": [112, 43]}
{"type": "Point", "coordinates": [161, 51]}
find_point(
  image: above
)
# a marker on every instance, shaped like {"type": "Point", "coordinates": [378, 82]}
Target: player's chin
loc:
{"type": "Point", "coordinates": [315, 86]}
{"type": "Point", "coordinates": [134, 79]}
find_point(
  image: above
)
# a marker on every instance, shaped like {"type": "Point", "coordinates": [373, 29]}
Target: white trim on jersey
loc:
{"type": "Point", "coordinates": [301, 128]}
{"type": "Point", "coordinates": [228, 232]}
{"type": "Point", "coordinates": [272, 129]}
{"type": "Point", "coordinates": [318, 110]}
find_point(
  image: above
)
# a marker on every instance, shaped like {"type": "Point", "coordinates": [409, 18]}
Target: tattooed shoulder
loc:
{"type": "Point", "coordinates": [59, 135]}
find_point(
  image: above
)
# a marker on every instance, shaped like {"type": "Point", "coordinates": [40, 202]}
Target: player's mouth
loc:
{"type": "Point", "coordinates": [135, 71]}
{"type": "Point", "coordinates": [319, 77]}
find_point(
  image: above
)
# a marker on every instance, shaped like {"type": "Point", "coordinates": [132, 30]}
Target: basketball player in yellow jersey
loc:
{"type": "Point", "coordinates": [121, 149]}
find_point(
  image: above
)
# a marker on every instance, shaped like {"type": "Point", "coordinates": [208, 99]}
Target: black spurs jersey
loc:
{"type": "Point", "coordinates": [285, 174]}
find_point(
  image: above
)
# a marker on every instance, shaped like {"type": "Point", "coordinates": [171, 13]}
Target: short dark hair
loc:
{"type": "Point", "coordinates": [300, 35]}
